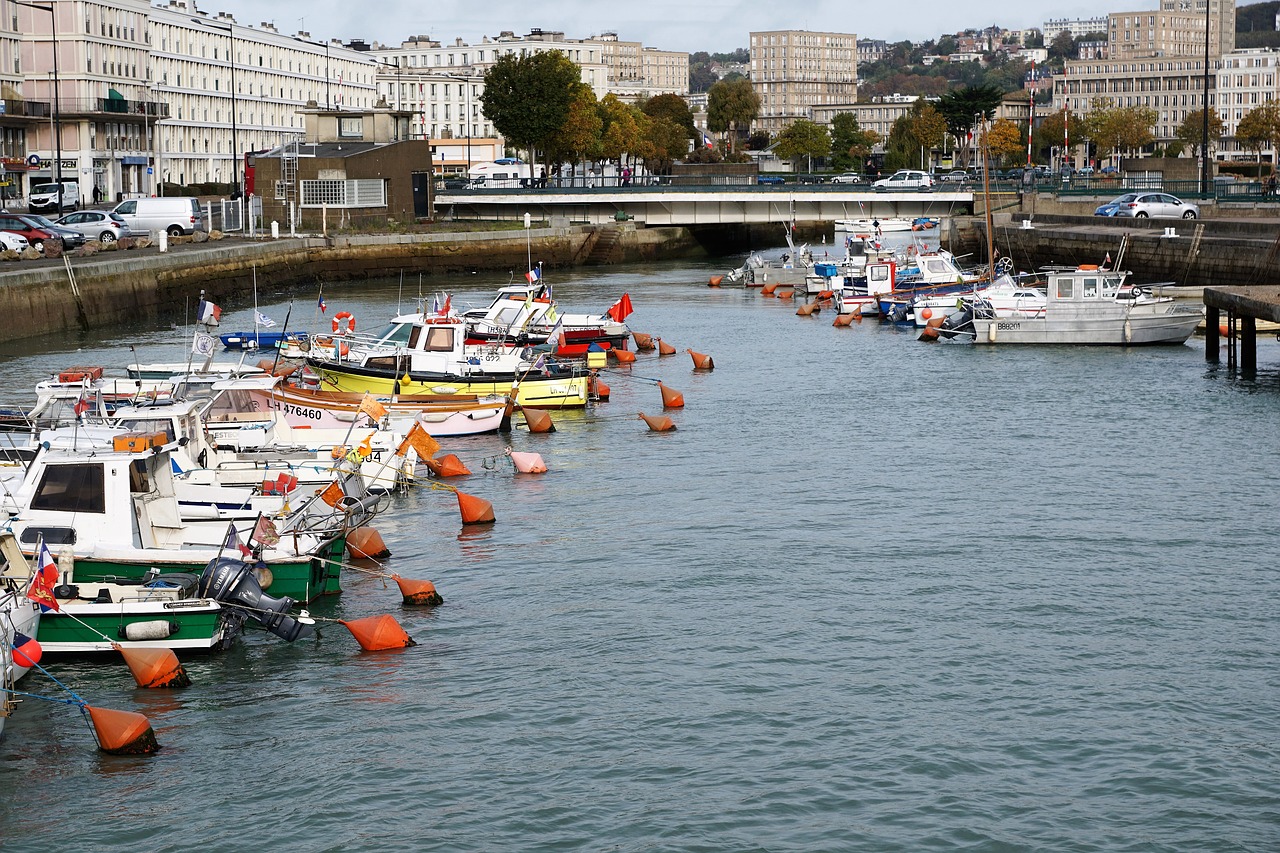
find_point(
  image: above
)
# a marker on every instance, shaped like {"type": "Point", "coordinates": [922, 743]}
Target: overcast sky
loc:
{"type": "Point", "coordinates": [711, 25]}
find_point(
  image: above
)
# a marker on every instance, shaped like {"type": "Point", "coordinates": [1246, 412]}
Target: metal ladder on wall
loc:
{"type": "Point", "coordinates": [289, 179]}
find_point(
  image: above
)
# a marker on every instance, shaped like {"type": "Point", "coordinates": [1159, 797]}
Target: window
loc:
{"type": "Point", "coordinates": [369, 192]}
{"type": "Point", "coordinates": [71, 488]}
{"type": "Point", "coordinates": [1090, 288]}
{"type": "Point", "coordinates": [1065, 288]}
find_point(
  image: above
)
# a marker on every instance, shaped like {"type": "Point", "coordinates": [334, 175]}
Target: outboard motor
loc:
{"type": "Point", "coordinates": [957, 322]}
{"type": "Point", "coordinates": [231, 582]}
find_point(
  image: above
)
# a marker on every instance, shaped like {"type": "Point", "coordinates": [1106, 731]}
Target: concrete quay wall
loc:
{"type": "Point", "coordinates": [1219, 254]}
{"type": "Point", "coordinates": [108, 289]}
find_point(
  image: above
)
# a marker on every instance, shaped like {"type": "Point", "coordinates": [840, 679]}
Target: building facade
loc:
{"type": "Point", "coordinates": [795, 72]}
{"type": "Point", "coordinates": [1074, 27]}
{"type": "Point", "coordinates": [1247, 79]}
{"type": "Point", "coordinates": [1172, 86]}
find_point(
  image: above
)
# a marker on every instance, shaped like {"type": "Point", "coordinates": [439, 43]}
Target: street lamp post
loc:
{"type": "Point", "coordinates": [236, 155]}
{"type": "Point", "coordinates": [57, 101]}
{"type": "Point", "coordinates": [1204, 111]}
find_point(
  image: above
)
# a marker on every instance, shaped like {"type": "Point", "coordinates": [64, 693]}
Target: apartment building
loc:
{"type": "Point", "coordinates": [1246, 79]}
{"type": "Point", "coordinates": [1175, 29]}
{"type": "Point", "coordinates": [1075, 27]}
{"type": "Point", "coordinates": [795, 72]}
{"type": "Point", "coordinates": [1172, 86]}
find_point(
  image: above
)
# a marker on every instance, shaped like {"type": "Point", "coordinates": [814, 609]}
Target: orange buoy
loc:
{"type": "Point", "coordinates": [154, 667]}
{"type": "Point", "coordinates": [474, 510]}
{"type": "Point", "coordinates": [122, 732]}
{"type": "Point", "coordinates": [928, 334]}
{"type": "Point", "coordinates": [843, 320]}
{"type": "Point", "coordinates": [1223, 330]}
{"type": "Point", "coordinates": [538, 420]}
{"type": "Point", "coordinates": [935, 322]}
{"type": "Point", "coordinates": [598, 388]}
{"type": "Point", "coordinates": [826, 294]}
{"type": "Point", "coordinates": [659, 423]}
{"type": "Point", "coordinates": [527, 463]}
{"type": "Point", "coordinates": [623, 356]}
{"type": "Point", "coordinates": [418, 592]}
{"type": "Point", "coordinates": [857, 313]}
{"type": "Point", "coordinates": [665, 348]}
{"type": "Point", "coordinates": [644, 342]}
{"type": "Point", "coordinates": [448, 465]}
{"type": "Point", "coordinates": [808, 309]}
{"type": "Point", "coordinates": [768, 294]}
{"type": "Point", "coordinates": [378, 633]}
{"type": "Point", "coordinates": [366, 543]}
{"type": "Point", "coordinates": [701, 361]}
{"type": "Point", "coordinates": [926, 312]}
{"type": "Point", "coordinates": [715, 280]}
{"type": "Point", "coordinates": [786, 294]}
{"type": "Point", "coordinates": [768, 289]}
{"type": "Point", "coordinates": [671, 398]}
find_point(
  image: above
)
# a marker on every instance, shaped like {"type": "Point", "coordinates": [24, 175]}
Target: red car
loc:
{"type": "Point", "coordinates": [17, 225]}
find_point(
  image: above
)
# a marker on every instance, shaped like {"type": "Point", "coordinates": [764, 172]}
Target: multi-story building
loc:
{"type": "Point", "coordinates": [1075, 27]}
{"type": "Point", "coordinates": [23, 116]}
{"type": "Point", "coordinates": [1172, 86]}
{"type": "Point", "coordinates": [1176, 29]}
{"type": "Point", "coordinates": [1246, 80]}
{"type": "Point", "coordinates": [871, 50]}
{"type": "Point", "coordinates": [795, 72]}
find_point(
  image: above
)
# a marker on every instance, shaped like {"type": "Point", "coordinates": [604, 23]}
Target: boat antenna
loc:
{"type": "Point", "coordinates": [986, 202]}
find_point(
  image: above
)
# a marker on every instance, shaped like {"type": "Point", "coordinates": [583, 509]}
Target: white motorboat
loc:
{"type": "Point", "coordinates": [871, 226]}
{"type": "Point", "coordinates": [1089, 305]}
{"type": "Point", "coordinates": [18, 615]}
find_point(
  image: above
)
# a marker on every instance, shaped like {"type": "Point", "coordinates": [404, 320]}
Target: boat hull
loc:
{"type": "Point", "coordinates": [541, 392]}
{"type": "Point", "coordinates": [1169, 327]}
{"type": "Point", "coordinates": [335, 410]}
{"type": "Point", "coordinates": [197, 625]}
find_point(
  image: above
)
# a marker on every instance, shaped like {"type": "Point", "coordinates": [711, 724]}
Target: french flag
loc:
{"type": "Point", "coordinates": [208, 314]}
{"type": "Point", "coordinates": [533, 275]}
{"type": "Point", "coordinates": [706, 140]}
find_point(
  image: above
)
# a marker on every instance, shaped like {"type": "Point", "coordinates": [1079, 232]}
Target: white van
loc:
{"type": "Point", "coordinates": [177, 215]}
{"type": "Point", "coordinates": [506, 173]}
{"type": "Point", "coordinates": [44, 197]}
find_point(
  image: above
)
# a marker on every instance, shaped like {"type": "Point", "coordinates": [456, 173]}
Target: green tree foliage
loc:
{"type": "Point", "coordinates": [666, 142]}
{"type": "Point", "coordinates": [701, 77]}
{"type": "Point", "coordinates": [1191, 131]}
{"type": "Point", "coordinates": [803, 140]}
{"type": "Point", "coordinates": [732, 106]}
{"type": "Point", "coordinates": [928, 128]}
{"type": "Point", "coordinates": [527, 97]}
{"type": "Point", "coordinates": [579, 137]}
{"type": "Point", "coordinates": [620, 134]}
{"type": "Point", "coordinates": [759, 141]}
{"type": "Point", "coordinates": [1260, 126]}
{"type": "Point", "coordinates": [961, 109]}
{"type": "Point", "coordinates": [1063, 47]}
{"type": "Point", "coordinates": [1256, 25]}
{"type": "Point", "coordinates": [850, 144]}
{"type": "Point", "coordinates": [673, 108]}
{"type": "Point", "coordinates": [1118, 130]}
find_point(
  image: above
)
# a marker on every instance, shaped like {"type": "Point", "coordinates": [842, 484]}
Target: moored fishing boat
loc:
{"type": "Point", "coordinates": [1088, 305]}
{"type": "Point", "coordinates": [526, 314]}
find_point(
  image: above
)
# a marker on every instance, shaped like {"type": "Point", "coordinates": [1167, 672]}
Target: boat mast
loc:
{"type": "Point", "coordinates": [986, 202]}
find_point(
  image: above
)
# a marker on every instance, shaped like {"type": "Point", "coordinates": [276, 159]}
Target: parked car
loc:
{"type": "Point", "coordinates": [959, 176]}
{"type": "Point", "coordinates": [905, 179]}
{"type": "Point", "coordinates": [1158, 205]}
{"type": "Point", "coordinates": [53, 196]}
{"type": "Point", "coordinates": [101, 225]}
{"type": "Point", "coordinates": [1111, 207]}
{"type": "Point", "coordinates": [847, 178]}
{"type": "Point", "coordinates": [70, 238]}
{"type": "Point", "coordinates": [13, 242]}
{"type": "Point", "coordinates": [16, 224]}
{"type": "Point", "coordinates": [1110, 170]}
{"type": "Point", "coordinates": [770, 179]}
{"type": "Point", "coordinates": [1085, 172]}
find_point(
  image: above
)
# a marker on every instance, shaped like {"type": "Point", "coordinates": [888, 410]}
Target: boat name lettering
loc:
{"type": "Point", "coordinates": [1000, 326]}
{"type": "Point", "coordinates": [309, 414]}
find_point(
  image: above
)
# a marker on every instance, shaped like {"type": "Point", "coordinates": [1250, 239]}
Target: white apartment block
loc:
{"type": "Point", "coordinates": [1076, 27]}
{"type": "Point", "coordinates": [1176, 29]}
{"type": "Point", "coordinates": [1172, 86]}
{"type": "Point", "coordinates": [1246, 80]}
{"type": "Point", "coordinates": [795, 72]}
{"type": "Point", "coordinates": [149, 94]}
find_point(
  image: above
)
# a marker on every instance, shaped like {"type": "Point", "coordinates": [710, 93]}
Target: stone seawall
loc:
{"type": "Point", "coordinates": [131, 285]}
{"type": "Point", "coordinates": [1196, 253]}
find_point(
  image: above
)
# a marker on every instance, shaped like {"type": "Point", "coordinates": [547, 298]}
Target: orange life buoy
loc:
{"type": "Point", "coordinates": [340, 328]}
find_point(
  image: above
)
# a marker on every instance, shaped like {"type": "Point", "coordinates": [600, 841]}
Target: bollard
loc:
{"type": "Point", "coordinates": [162, 240]}
{"type": "Point", "coordinates": [275, 230]}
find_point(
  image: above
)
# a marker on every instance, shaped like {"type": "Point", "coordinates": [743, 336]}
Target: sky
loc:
{"type": "Point", "coordinates": [711, 25]}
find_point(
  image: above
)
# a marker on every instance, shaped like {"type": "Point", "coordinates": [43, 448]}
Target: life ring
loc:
{"type": "Point", "coordinates": [341, 328]}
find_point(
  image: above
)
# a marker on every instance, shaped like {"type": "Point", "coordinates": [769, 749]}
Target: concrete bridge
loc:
{"type": "Point", "coordinates": [697, 205]}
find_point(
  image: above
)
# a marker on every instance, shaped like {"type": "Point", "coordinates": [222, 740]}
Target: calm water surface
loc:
{"type": "Point", "coordinates": [871, 595]}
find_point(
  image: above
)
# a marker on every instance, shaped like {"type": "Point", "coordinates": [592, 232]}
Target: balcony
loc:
{"type": "Point", "coordinates": [96, 107]}
{"type": "Point", "coordinates": [25, 109]}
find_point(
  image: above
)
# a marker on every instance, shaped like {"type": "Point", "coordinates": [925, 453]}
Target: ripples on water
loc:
{"type": "Point", "coordinates": [871, 595]}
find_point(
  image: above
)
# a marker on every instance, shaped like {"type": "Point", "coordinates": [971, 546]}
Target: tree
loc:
{"type": "Point", "coordinates": [803, 138]}
{"type": "Point", "coordinates": [666, 143]}
{"type": "Point", "coordinates": [1191, 131]}
{"type": "Point", "coordinates": [1005, 142]}
{"type": "Point", "coordinates": [962, 107]}
{"type": "Point", "coordinates": [928, 128]}
{"type": "Point", "coordinates": [850, 144]}
{"type": "Point", "coordinates": [527, 97]}
{"type": "Point", "coordinates": [1261, 125]}
{"type": "Point", "coordinates": [579, 138]}
{"type": "Point", "coordinates": [621, 133]}
{"type": "Point", "coordinates": [758, 141]}
{"type": "Point", "coordinates": [674, 108]}
{"type": "Point", "coordinates": [732, 106]}
{"type": "Point", "coordinates": [1121, 129]}
{"type": "Point", "coordinates": [1063, 47]}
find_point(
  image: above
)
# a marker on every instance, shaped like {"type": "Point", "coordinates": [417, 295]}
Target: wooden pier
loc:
{"type": "Point", "coordinates": [1244, 307]}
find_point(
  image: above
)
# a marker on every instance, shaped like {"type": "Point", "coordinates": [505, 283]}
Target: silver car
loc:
{"type": "Point", "coordinates": [1158, 205]}
{"type": "Point", "coordinates": [101, 225]}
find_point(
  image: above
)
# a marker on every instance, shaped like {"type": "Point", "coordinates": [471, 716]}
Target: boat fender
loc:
{"type": "Point", "coordinates": [155, 630]}
{"type": "Point", "coordinates": [342, 328]}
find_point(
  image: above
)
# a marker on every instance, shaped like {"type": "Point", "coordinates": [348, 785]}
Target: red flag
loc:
{"type": "Point", "coordinates": [81, 406]}
{"type": "Point", "coordinates": [233, 541]}
{"type": "Point", "coordinates": [45, 579]}
{"type": "Point", "coordinates": [265, 532]}
{"type": "Point", "coordinates": [621, 309]}
{"type": "Point", "coordinates": [444, 310]}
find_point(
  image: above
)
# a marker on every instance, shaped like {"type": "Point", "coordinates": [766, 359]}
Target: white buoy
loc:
{"type": "Point", "coordinates": [156, 630]}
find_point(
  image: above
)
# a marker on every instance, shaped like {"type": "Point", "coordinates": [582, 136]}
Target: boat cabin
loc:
{"type": "Point", "coordinates": [1088, 284]}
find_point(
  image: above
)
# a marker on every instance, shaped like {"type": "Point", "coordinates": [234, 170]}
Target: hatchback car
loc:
{"type": "Point", "coordinates": [100, 225]}
{"type": "Point", "coordinates": [16, 224]}
{"type": "Point", "coordinates": [13, 242]}
{"type": "Point", "coordinates": [1110, 208]}
{"type": "Point", "coordinates": [1158, 206]}
{"type": "Point", "coordinates": [906, 179]}
{"type": "Point", "coordinates": [770, 179]}
{"type": "Point", "coordinates": [959, 176]}
{"type": "Point", "coordinates": [70, 238]}
{"type": "Point", "coordinates": [847, 178]}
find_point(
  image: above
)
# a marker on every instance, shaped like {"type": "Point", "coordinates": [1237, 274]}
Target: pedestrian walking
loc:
{"type": "Point", "coordinates": [97, 194]}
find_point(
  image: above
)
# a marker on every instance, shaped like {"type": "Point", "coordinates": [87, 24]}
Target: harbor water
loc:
{"type": "Point", "coordinates": [872, 594]}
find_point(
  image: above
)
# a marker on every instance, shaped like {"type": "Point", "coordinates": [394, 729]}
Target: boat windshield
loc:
{"type": "Point", "coordinates": [150, 426]}
{"type": "Point", "coordinates": [394, 334]}
{"type": "Point", "coordinates": [1111, 285]}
